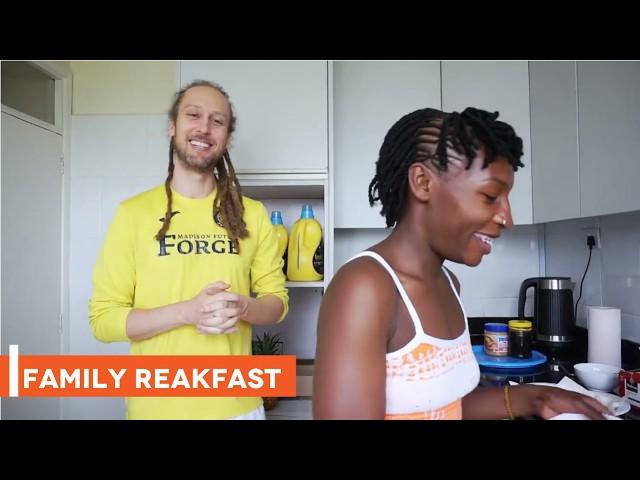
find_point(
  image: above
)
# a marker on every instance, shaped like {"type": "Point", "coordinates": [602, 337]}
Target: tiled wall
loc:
{"type": "Point", "coordinates": [491, 288]}
{"type": "Point", "coordinates": [114, 157]}
{"type": "Point", "coordinates": [613, 278]}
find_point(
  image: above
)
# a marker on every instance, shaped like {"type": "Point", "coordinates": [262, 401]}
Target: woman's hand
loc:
{"type": "Point", "coordinates": [547, 402]}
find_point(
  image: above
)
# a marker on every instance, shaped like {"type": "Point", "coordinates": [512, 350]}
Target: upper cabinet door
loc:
{"type": "Point", "coordinates": [503, 87]}
{"type": "Point", "coordinates": [368, 98]}
{"type": "Point", "coordinates": [609, 129]}
{"type": "Point", "coordinates": [554, 141]}
{"type": "Point", "coordinates": [281, 107]}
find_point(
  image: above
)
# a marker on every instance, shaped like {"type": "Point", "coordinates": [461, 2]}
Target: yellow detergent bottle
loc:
{"type": "Point", "coordinates": [283, 237]}
{"type": "Point", "coordinates": [305, 261]}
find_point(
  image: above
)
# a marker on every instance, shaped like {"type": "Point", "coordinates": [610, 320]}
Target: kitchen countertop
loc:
{"type": "Point", "coordinates": [559, 364]}
{"type": "Point", "coordinates": [560, 360]}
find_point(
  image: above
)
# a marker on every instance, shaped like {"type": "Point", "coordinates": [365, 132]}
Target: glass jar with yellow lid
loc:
{"type": "Point", "coordinates": [520, 336]}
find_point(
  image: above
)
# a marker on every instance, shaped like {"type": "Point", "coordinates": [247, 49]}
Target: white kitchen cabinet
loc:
{"type": "Point", "coordinates": [281, 107]}
{"type": "Point", "coordinates": [368, 98]}
{"type": "Point", "coordinates": [554, 141]}
{"type": "Point", "coordinates": [609, 126]}
{"type": "Point", "coordinates": [501, 86]}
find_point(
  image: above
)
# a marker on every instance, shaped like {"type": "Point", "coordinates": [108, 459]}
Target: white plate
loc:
{"type": "Point", "coordinates": [617, 405]}
{"type": "Point", "coordinates": [579, 416]}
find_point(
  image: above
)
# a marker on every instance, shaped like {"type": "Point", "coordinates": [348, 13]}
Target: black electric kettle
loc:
{"type": "Point", "coordinates": [554, 320]}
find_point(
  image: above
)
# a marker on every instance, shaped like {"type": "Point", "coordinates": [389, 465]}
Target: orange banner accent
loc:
{"type": "Point", "coordinates": [152, 376]}
{"type": "Point", "coordinates": [4, 375]}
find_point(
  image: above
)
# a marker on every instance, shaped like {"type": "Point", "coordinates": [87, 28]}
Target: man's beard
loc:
{"type": "Point", "coordinates": [194, 163]}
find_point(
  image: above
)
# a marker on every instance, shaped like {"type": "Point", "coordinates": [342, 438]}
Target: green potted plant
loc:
{"type": "Point", "coordinates": [267, 344]}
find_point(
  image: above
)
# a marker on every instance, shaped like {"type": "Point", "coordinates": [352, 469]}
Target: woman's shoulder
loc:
{"type": "Point", "coordinates": [361, 298]}
{"type": "Point", "coordinates": [364, 277]}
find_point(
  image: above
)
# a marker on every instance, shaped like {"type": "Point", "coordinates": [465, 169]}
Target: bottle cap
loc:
{"type": "Point", "coordinates": [520, 324]}
{"type": "Point", "coordinates": [276, 217]}
{"type": "Point", "coordinates": [307, 211]}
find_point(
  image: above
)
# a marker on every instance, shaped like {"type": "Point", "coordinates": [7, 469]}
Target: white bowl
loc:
{"type": "Point", "coordinates": [597, 376]}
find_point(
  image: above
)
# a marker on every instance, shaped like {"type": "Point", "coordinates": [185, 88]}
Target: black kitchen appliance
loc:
{"type": "Point", "coordinates": [553, 317]}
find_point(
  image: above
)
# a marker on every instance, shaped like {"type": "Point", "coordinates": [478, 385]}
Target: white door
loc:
{"type": "Point", "coordinates": [31, 251]}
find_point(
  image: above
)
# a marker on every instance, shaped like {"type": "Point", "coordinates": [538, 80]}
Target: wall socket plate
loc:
{"type": "Point", "coordinates": [595, 231]}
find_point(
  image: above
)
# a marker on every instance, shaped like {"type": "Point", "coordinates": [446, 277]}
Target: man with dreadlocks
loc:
{"type": "Point", "coordinates": [179, 261]}
{"type": "Point", "coordinates": [393, 340]}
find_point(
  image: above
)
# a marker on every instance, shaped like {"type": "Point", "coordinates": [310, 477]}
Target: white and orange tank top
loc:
{"type": "Point", "coordinates": [427, 378]}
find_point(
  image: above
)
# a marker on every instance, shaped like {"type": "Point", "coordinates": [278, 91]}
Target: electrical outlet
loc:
{"type": "Point", "coordinates": [595, 232]}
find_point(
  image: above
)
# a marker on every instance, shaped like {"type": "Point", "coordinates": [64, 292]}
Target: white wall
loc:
{"type": "Point", "coordinates": [113, 158]}
{"type": "Point", "coordinates": [298, 329]}
{"type": "Point", "coordinates": [123, 87]}
{"type": "Point", "coordinates": [613, 278]}
{"type": "Point", "coordinates": [491, 288]}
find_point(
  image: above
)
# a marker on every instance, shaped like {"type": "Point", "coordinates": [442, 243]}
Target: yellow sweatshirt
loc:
{"type": "Point", "coordinates": [134, 270]}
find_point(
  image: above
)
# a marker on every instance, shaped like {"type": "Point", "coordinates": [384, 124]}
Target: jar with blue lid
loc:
{"type": "Point", "coordinates": [496, 339]}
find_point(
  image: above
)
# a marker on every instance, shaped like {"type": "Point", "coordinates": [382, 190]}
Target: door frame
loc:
{"type": "Point", "coordinates": [62, 73]}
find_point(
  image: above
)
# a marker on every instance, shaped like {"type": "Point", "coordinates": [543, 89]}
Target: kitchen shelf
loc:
{"type": "Point", "coordinates": [283, 186]}
{"type": "Point", "coordinates": [287, 192]}
{"type": "Point", "coordinates": [283, 191]}
{"type": "Point", "coordinates": [305, 284]}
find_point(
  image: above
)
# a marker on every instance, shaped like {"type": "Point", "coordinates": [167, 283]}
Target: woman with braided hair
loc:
{"type": "Point", "coordinates": [179, 262]}
{"type": "Point", "coordinates": [393, 340]}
